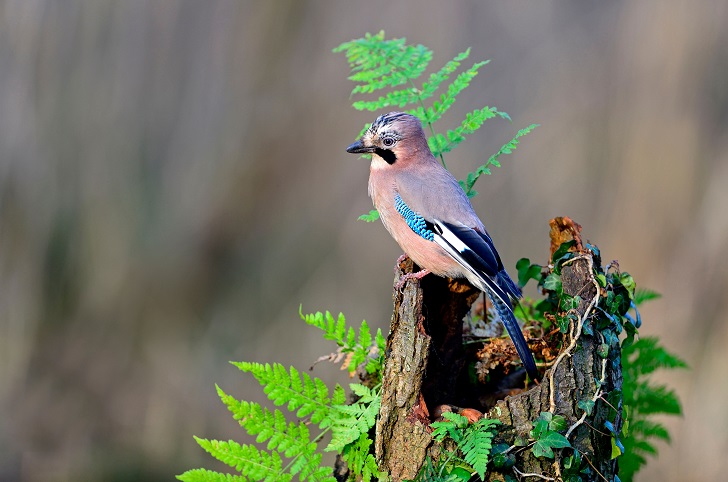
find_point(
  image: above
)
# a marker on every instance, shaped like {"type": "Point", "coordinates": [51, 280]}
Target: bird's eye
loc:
{"type": "Point", "coordinates": [388, 141]}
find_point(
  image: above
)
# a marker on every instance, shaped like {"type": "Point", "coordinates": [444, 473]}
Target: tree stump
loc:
{"type": "Point", "coordinates": [424, 368]}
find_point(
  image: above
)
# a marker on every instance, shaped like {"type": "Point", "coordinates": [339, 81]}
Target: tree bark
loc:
{"type": "Point", "coordinates": [424, 368]}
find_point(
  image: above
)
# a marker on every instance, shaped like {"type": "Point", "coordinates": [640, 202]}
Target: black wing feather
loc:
{"type": "Point", "coordinates": [487, 257]}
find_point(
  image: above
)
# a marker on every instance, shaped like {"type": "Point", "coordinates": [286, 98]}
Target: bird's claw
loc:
{"type": "Point", "coordinates": [406, 277]}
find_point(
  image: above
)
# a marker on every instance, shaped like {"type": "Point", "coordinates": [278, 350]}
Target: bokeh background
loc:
{"type": "Point", "coordinates": [173, 185]}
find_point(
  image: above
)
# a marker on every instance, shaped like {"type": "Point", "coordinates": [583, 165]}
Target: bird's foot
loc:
{"type": "Point", "coordinates": [404, 278]}
{"type": "Point", "coordinates": [400, 260]}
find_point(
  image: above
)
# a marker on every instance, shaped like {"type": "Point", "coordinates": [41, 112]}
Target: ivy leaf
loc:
{"type": "Point", "coordinates": [587, 406]}
{"type": "Point", "coordinates": [547, 442]}
{"type": "Point", "coordinates": [562, 250]}
{"type": "Point", "coordinates": [553, 283]}
{"type": "Point", "coordinates": [527, 271]}
{"type": "Point", "coordinates": [617, 448]}
{"type": "Point", "coordinates": [557, 423]}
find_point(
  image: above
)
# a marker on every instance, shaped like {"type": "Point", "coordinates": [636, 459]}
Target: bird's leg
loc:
{"type": "Point", "coordinates": [404, 278]}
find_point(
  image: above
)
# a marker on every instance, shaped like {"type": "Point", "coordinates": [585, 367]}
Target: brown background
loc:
{"type": "Point", "coordinates": [173, 184]}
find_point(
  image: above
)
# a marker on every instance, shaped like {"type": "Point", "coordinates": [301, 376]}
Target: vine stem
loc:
{"type": "Point", "coordinates": [576, 331]}
{"type": "Point", "coordinates": [524, 474]}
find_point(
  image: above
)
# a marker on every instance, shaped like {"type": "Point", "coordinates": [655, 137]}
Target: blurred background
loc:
{"type": "Point", "coordinates": [173, 185]}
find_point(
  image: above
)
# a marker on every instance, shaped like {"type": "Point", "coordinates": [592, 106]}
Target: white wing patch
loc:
{"type": "Point", "coordinates": [448, 241]}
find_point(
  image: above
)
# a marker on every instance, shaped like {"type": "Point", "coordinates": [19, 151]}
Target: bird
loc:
{"type": "Point", "coordinates": [428, 214]}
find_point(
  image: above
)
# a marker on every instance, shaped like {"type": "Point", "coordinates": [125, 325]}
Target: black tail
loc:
{"type": "Point", "coordinates": [514, 331]}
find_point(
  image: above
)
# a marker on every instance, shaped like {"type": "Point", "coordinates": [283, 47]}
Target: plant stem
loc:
{"type": "Point", "coordinates": [427, 120]}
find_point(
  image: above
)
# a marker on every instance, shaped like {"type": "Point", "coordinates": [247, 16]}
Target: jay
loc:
{"type": "Point", "coordinates": [427, 212]}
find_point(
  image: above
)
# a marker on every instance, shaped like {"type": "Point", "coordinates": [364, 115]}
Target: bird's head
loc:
{"type": "Point", "coordinates": [393, 137]}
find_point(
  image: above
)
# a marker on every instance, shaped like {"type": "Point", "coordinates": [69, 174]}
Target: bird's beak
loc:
{"type": "Point", "coordinates": [359, 148]}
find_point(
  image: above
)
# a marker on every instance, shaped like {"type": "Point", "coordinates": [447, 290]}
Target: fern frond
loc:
{"type": "Point", "coordinates": [452, 426]}
{"type": "Point", "coordinates": [648, 399]}
{"type": "Point", "coordinates": [431, 473]}
{"type": "Point", "coordinates": [476, 450]}
{"type": "Point", "coordinates": [645, 356]}
{"type": "Point", "coordinates": [246, 459]}
{"type": "Point", "coordinates": [648, 428]}
{"type": "Point", "coordinates": [310, 469]}
{"type": "Point", "coordinates": [362, 349]}
{"type": "Point", "coordinates": [304, 395]}
{"type": "Point", "coordinates": [289, 439]}
{"type": "Point", "coordinates": [641, 295]}
{"type": "Point", "coordinates": [437, 78]}
{"type": "Point", "coordinates": [377, 63]}
{"type": "Point", "coordinates": [353, 421]}
{"type": "Point", "coordinates": [643, 399]}
{"type": "Point", "coordinates": [441, 144]}
{"type": "Point", "coordinates": [477, 445]}
{"type": "Point", "coordinates": [203, 475]}
{"type": "Point", "coordinates": [473, 440]}
{"type": "Point", "coordinates": [462, 80]}
{"type": "Point", "coordinates": [412, 95]}
{"type": "Point", "coordinates": [360, 459]}
{"type": "Point", "coordinates": [507, 148]}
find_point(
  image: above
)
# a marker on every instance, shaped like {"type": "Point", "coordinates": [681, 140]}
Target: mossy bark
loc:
{"type": "Point", "coordinates": [425, 361]}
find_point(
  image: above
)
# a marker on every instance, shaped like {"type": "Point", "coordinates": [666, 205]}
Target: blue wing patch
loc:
{"type": "Point", "coordinates": [415, 221]}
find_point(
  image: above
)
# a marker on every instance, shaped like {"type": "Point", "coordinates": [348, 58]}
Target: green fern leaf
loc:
{"type": "Point", "coordinates": [641, 295]}
{"type": "Point", "coordinates": [507, 148]}
{"type": "Point", "coordinates": [360, 460]}
{"type": "Point", "coordinates": [352, 421]}
{"type": "Point", "coordinates": [436, 79]}
{"type": "Point", "coordinates": [473, 440]}
{"type": "Point", "coordinates": [362, 349]}
{"type": "Point", "coordinates": [648, 428]}
{"type": "Point", "coordinates": [375, 362]}
{"type": "Point", "coordinates": [461, 81]}
{"type": "Point", "coordinates": [202, 475]}
{"type": "Point", "coordinates": [246, 459]}
{"type": "Point", "coordinates": [642, 400]}
{"type": "Point", "coordinates": [290, 439]}
{"type": "Point", "coordinates": [452, 426]}
{"type": "Point", "coordinates": [645, 356]}
{"type": "Point", "coordinates": [476, 450]}
{"type": "Point", "coordinates": [377, 63]}
{"type": "Point", "coordinates": [472, 122]}
{"type": "Point", "coordinates": [309, 396]}
{"type": "Point", "coordinates": [397, 98]}
{"type": "Point", "coordinates": [372, 216]}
